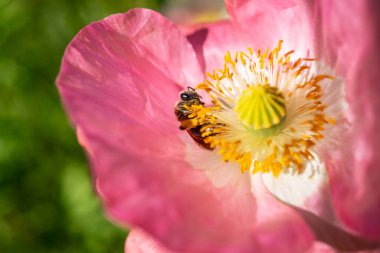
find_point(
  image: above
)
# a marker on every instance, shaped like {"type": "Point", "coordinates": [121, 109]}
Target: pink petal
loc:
{"type": "Point", "coordinates": [119, 81]}
{"type": "Point", "coordinates": [351, 39]}
{"type": "Point", "coordinates": [319, 247]}
{"type": "Point", "coordinates": [140, 242]}
{"type": "Point", "coordinates": [212, 41]}
{"type": "Point", "coordinates": [264, 22]}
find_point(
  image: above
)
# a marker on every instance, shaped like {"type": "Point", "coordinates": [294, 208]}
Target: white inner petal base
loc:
{"type": "Point", "coordinates": [297, 188]}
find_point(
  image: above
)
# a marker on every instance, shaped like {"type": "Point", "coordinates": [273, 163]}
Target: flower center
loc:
{"type": "Point", "coordinates": [261, 108]}
{"type": "Point", "coordinates": [270, 111]}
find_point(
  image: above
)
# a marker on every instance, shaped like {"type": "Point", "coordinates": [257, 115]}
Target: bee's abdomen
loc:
{"type": "Point", "coordinates": [196, 134]}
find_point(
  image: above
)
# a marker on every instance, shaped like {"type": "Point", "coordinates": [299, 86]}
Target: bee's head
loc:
{"type": "Point", "coordinates": [189, 94]}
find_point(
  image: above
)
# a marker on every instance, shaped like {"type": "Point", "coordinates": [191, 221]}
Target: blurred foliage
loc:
{"type": "Point", "coordinates": [46, 200]}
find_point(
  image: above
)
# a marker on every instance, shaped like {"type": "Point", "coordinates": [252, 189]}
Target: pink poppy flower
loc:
{"type": "Point", "coordinates": [291, 136]}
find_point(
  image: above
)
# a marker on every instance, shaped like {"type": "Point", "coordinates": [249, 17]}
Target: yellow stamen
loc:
{"type": "Point", "coordinates": [268, 112]}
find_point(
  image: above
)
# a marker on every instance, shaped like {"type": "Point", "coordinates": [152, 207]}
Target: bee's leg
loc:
{"type": "Point", "coordinates": [211, 129]}
{"type": "Point", "coordinates": [183, 115]}
{"type": "Point", "coordinates": [188, 124]}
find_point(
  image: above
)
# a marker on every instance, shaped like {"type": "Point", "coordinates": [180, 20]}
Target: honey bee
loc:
{"type": "Point", "coordinates": [188, 98]}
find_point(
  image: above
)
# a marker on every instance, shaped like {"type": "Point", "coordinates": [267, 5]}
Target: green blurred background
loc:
{"type": "Point", "coordinates": [46, 200]}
